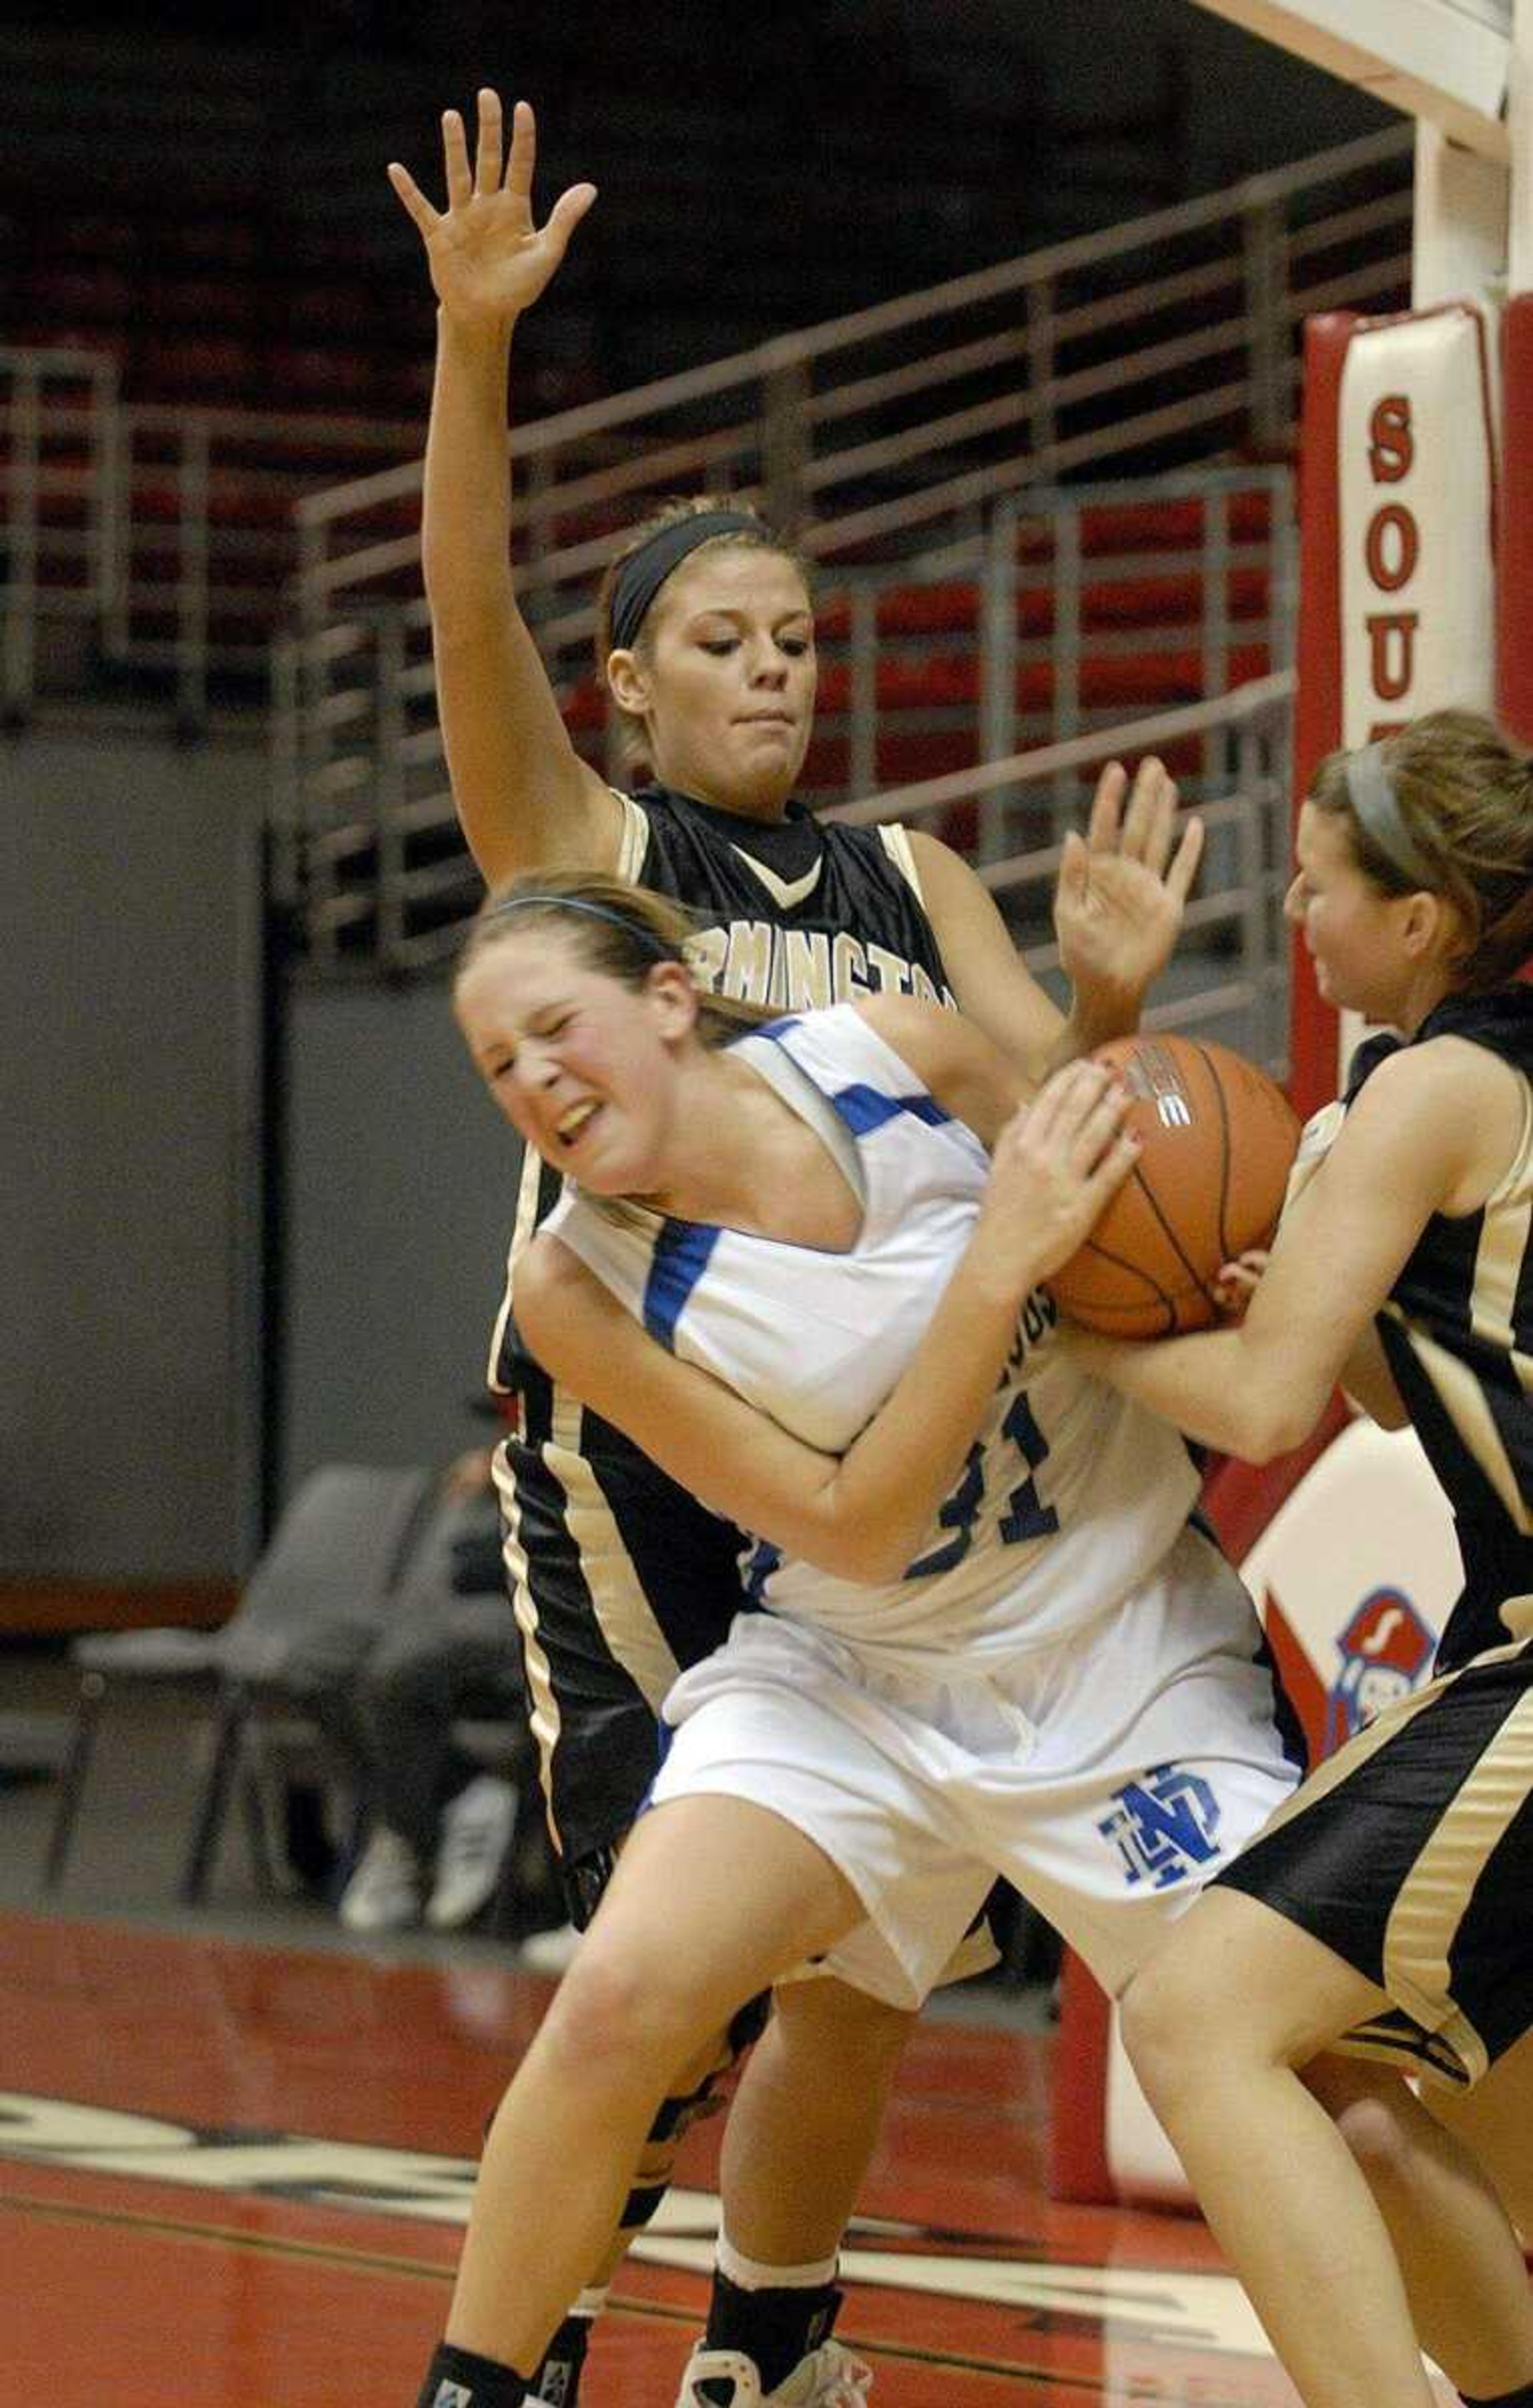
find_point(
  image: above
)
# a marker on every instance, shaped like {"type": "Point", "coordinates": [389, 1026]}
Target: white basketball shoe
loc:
{"type": "Point", "coordinates": [829, 2377]}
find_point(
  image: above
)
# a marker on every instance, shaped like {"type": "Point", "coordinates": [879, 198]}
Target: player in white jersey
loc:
{"type": "Point", "coordinates": [985, 1636]}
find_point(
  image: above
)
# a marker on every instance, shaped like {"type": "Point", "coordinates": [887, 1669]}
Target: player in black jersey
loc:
{"type": "Point", "coordinates": [619, 1580]}
{"type": "Point", "coordinates": [1385, 1910]}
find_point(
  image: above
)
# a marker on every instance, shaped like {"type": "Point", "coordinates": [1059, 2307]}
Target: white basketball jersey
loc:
{"type": "Point", "coordinates": [1070, 1495]}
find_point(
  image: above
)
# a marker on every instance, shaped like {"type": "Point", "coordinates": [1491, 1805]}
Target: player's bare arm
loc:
{"type": "Point", "coordinates": [954, 1060]}
{"type": "Point", "coordinates": [861, 1516]}
{"type": "Point", "coordinates": [1118, 910]}
{"type": "Point", "coordinates": [522, 794]}
{"type": "Point", "coordinates": [1430, 1132]}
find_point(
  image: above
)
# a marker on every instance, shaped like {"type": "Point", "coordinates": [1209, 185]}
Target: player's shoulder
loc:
{"type": "Point", "coordinates": [1439, 1118]}
{"type": "Point", "coordinates": [548, 1277]}
{"type": "Point", "coordinates": [906, 1022]}
{"type": "Point", "coordinates": [1445, 1073]}
{"type": "Point", "coordinates": [921, 1033]}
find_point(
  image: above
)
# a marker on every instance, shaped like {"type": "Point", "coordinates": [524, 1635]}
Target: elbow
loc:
{"type": "Point", "coordinates": [867, 1558]}
{"type": "Point", "coordinates": [464, 570]}
{"type": "Point", "coordinates": [876, 1566]}
{"type": "Point", "coordinates": [848, 1558]}
{"type": "Point", "coordinates": [1274, 1424]}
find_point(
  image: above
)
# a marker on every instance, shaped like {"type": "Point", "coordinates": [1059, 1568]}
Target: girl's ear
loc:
{"type": "Point", "coordinates": [673, 990]}
{"type": "Point", "coordinates": [627, 682]}
{"type": "Point", "coordinates": [1433, 923]}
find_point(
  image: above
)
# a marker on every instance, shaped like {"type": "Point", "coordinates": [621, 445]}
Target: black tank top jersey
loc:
{"type": "Point", "coordinates": [1458, 1330]}
{"type": "Point", "coordinates": [795, 913]}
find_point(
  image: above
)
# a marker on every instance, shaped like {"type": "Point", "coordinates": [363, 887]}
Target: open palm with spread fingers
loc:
{"type": "Point", "coordinates": [1122, 886]}
{"type": "Point", "coordinates": [487, 261]}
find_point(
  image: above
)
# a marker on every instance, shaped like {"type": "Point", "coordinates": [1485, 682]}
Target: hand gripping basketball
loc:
{"type": "Point", "coordinates": [1217, 1139]}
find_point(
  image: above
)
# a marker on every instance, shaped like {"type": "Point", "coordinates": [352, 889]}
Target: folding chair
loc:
{"type": "Point", "coordinates": [324, 1577]}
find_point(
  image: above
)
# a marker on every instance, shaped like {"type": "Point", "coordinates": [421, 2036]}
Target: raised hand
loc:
{"type": "Point", "coordinates": [487, 259]}
{"type": "Point", "coordinates": [1119, 899]}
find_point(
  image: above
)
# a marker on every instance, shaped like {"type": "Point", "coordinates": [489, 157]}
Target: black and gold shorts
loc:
{"type": "Point", "coordinates": [1410, 1856]}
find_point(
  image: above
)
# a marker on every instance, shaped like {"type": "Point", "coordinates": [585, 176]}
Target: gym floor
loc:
{"type": "Point", "coordinates": [237, 2145]}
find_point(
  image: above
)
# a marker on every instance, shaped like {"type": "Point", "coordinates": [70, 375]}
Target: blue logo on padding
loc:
{"type": "Point", "coordinates": [1164, 1826]}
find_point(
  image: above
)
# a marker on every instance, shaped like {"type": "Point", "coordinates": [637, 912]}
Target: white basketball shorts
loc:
{"type": "Point", "coordinates": [1108, 1776]}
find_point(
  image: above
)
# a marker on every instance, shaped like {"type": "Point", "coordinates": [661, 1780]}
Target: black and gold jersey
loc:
{"type": "Point", "coordinates": [1458, 1330]}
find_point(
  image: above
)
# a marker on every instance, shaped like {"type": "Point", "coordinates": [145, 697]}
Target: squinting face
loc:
{"type": "Point", "coordinates": [1350, 926]}
{"type": "Point", "coordinates": [729, 675]}
{"type": "Point", "coordinates": [577, 1062]}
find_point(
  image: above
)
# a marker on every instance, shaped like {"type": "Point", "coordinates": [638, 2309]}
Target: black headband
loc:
{"type": "Point", "coordinates": [644, 572]}
{"type": "Point", "coordinates": [1376, 809]}
{"type": "Point", "coordinates": [635, 928]}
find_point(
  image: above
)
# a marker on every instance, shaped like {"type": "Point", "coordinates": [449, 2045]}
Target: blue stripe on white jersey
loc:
{"type": "Point", "coordinates": [862, 1108]}
{"type": "Point", "coordinates": [681, 1251]}
{"type": "Point", "coordinates": [865, 1109]}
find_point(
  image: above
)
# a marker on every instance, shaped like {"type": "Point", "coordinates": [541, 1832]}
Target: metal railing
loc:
{"type": "Point", "coordinates": [165, 536]}
{"type": "Point", "coordinates": [901, 426]}
{"type": "Point", "coordinates": [60, 503]}
{"type": "Point", "coordinates": [168, 533]}
{"type": "Point", "coordinates": [1231, 977]}
{"type": "Point", "coordinates": [1070, 607]}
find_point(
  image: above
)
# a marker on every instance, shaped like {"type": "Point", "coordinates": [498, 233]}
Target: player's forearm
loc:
{"type": "Point", "coordinates": [1096, 1014]}
{"type": "Point", "coordinates": [467, 505]}
{"type": "Point", "coordinates": [880, 1504]}
{"type": "Point", "coordinates": [1219, 1386]}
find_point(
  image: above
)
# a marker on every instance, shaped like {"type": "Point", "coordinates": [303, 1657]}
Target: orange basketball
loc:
{"type": "Point", "coordinates": [1218, 1141]}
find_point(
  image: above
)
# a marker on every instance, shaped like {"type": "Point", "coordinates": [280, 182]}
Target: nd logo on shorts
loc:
{"type": "Point", "coordinates": [1163, 1825]}
{"type": "Point", "coordinates": [1386, 1649]}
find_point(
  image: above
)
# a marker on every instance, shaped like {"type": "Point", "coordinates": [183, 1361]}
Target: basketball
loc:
{"type": "Point", "coordinates": [1218, 1141]}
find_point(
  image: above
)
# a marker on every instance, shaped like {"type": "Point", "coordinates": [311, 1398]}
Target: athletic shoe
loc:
{"type": "Point", "coordinates": [475, 1833]}
{"type": "Point", "coordinates": [384, 1892]}
{"type": "Point", "coordinates": [829, 2377]}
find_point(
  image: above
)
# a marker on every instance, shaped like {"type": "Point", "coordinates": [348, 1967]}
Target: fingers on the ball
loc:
{"type": "Point", "coordinates": [1091, 1105]}
{"type": "Point", "coordinates": [1106, 1129]}
{"type": "Point", "coordinates": [1062, 1101]}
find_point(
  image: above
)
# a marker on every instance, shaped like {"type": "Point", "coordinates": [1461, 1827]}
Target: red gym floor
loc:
{"type": "Point", "coordinates": [234, 2177]}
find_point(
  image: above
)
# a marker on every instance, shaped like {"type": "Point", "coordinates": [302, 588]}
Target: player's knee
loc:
{"type": "Point", "coordinates": [1164, 2021]}
{"type": "Point", "coordinates": [618, 2012]}
{"type": "Point", "coordinates": [1373, 2116]}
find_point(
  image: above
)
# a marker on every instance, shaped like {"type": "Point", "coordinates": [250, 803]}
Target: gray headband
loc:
{"type": "Point", "coordinates": [635, 928]}
{"type": "Point", "coordinates": [645, 570]}
{"type": "Point", "coordinates": [1376, 809]}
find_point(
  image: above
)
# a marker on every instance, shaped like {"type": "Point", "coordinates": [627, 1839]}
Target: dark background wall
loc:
{"type": "Point", "coordinates": [400, 1196]}
{"type": "Point", "coordinates": [129, 998]}
{"type": "Point", "coordinates": [760, 168]}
